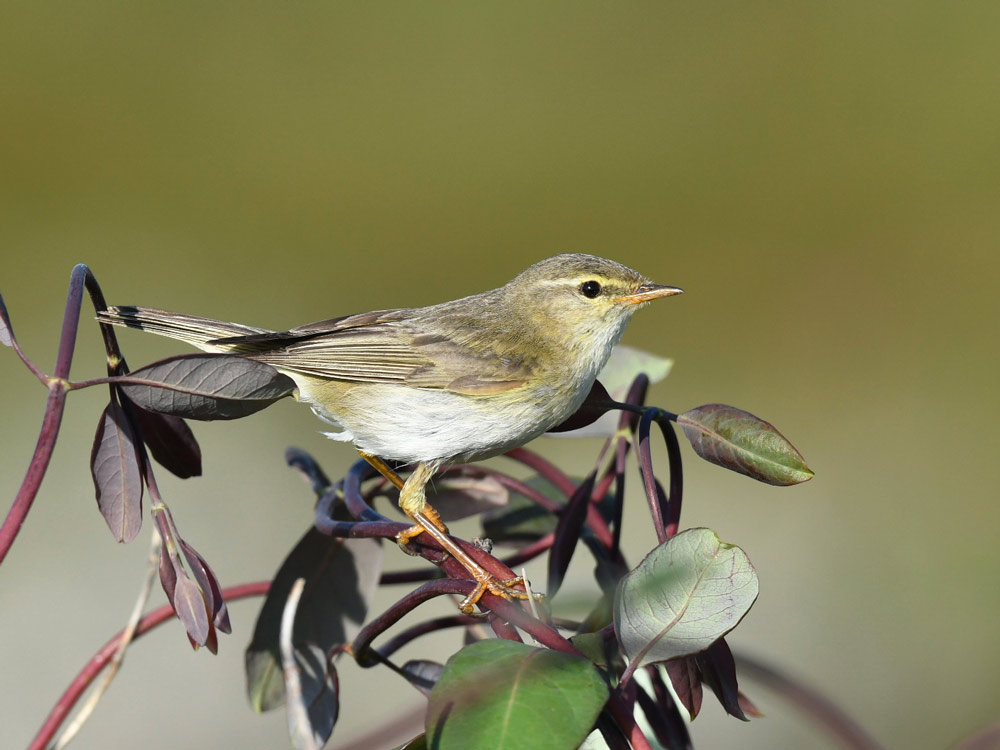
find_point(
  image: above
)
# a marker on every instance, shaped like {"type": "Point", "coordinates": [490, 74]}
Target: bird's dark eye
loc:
{"type": "Point", "coordinates": [590, 289]}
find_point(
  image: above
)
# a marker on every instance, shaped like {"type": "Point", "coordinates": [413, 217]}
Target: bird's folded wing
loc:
{"type": "Point", "coordinates": [383, 347]}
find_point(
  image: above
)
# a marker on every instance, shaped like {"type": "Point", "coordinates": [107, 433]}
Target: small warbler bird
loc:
{"type": "Point", "coordinates": [454, 382]}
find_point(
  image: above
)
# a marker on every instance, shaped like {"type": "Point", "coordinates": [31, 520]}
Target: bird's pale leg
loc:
{"type": "Point", "coordinates": [413, 501]}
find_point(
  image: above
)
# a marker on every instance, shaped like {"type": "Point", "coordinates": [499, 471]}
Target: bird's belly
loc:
{"type": "Point", "coordinates": [413, 424]}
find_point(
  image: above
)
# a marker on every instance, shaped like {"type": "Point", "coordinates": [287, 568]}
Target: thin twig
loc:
{"type": "Point", "coordinates": [128, 634]}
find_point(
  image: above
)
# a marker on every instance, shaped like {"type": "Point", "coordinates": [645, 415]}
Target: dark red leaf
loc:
{"type": "Point", "coordinates": [189, 605]}
{"type": "Point", "coordinates": [114, 464]}
{"type": "Point", "coordinates": [209, 586]}
{"type": "Point", "coordinates": [207, 386]}
{"type": "Point", "coordinates": [568, 532]}
{"type": "Point", "coordinates": [597, 403]}
{"type": "Point", "coordinates": [171, 442]}
{"type": "Point", "coordinates": [718, 671]}
{"type": "Point", "coordinates": [684, 677]}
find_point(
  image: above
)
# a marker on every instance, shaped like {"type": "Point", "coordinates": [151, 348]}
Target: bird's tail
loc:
{"type": "Point", "coordinates": [189, 328]}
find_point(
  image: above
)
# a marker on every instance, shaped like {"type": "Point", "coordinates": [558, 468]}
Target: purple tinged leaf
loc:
{"type": "Point", "coordinates": [114, 465]}
{"type": "Point", "coordinates": [684, 676]}
{"type": "Point", "coordinates": [189, 605]}
{"type": "Point", "coordinates": [6, 330]}
{"type": "Point", "coordinates": [739, 441]}
{"type": "Point", "coordinates": [718, 671]}
{"type": "Point", "coordinates": [209, 586]}
{"type": "Point", "coordinates": [207, 386]}
{"type": "Point", "coordinates": [171, 442]}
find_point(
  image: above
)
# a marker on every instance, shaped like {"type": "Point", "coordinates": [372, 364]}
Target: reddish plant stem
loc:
{"type": "Point", "coordinates": [57, 386]}
{"type": "Point", "coordinates": [545, 468]}
{"type": "Point", "coordinates": [378, 625]}
{"type": "Point", "coordinates": [36, 469]}
{"type": "Point", "coordinates": [101, 659]}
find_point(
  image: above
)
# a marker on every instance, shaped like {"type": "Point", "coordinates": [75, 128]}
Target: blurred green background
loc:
{"type": "Point", "coordinates": [822, 179]}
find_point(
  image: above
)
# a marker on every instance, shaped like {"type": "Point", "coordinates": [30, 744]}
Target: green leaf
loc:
{"type": "Point", "coordinates": [739, 441]}
{"type": "Point", "coordinates": [688, 592]}
{"type": "Point", "coordinates": [502, 695]}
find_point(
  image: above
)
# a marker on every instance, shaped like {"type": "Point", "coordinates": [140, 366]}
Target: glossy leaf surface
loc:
{"type": "Point", "coordinates": [502, 695]}
{"type": "Point", "coordinates": [739, 441]}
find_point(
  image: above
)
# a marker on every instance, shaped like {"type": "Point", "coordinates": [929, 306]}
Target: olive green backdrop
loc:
{"type": "Point", "coordinates": [822, 179]}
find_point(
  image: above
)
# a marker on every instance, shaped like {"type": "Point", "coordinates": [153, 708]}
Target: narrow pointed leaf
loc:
{"type": "Point", "coordinates": [207, 386]}
{"type": "Point", "coordinates": [688, 592]}
{"type": "Point", "coordinates": [739, 441]}
{"type": "Point", "coordinates": [568, 532]}
{"type": "Point", "coordinates": [189, 605]}
{"type": "Point", "coordinates": [209, 584]}
{"type": "Point", "coordinates": [718, 671]}
{"type": "Point", "coordinates": [171, 442]}
{"type": "Point", "coordinates": [114, 465]}
{"type": "Point", "coordinates": [6, 331]}
{"type": "Point", "coordinates": [685, 678]}
{"type": "Point", "coordinates": [341, 578]}
{"type": "Point", "coordinates": [502, 695]}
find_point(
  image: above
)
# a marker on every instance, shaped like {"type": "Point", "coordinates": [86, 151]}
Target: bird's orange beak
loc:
{"type": "Point", "coordinates": [648, 292]}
